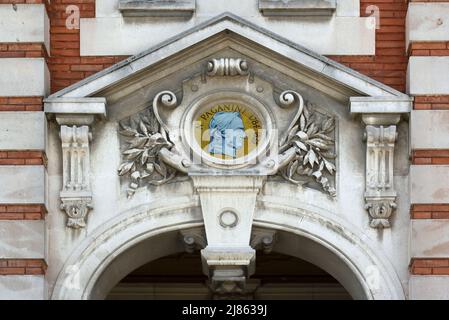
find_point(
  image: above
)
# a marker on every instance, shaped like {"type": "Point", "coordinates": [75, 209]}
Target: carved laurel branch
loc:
{"type": "Point", "coordinates": [148, 156]}
{"type": "Point", "coordinates": [310, 134]}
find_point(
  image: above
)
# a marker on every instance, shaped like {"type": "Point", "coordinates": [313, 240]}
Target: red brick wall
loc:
{"type": "Point", "coordinates": [429, 266]}
{"type": "Point", "coordinates": [22, 267]}
{"type": "Point", "coordinates": [22, 212]}
{"type": "Point", "coordinates": [389, 64]}
{"type": "Point", "coordinates": [66, 65]}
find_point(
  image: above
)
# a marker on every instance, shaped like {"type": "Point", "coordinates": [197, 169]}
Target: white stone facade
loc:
{"type": "Point", "coordinates": [348, 212]}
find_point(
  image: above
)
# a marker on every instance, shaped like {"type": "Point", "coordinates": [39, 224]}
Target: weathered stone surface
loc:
{"type": "Point", "coordinates": [16, 70]}
{"type": "Point", "coordinates": [26, 23]}
{"type": "Point", "coordinates": [158, 8]}
{"type": "Point", "coordinates": [110, 35]}
{"type": "Point", "coordinates": [425, 76]}
{"type": "Point", "coordinates": [22, 184]}
{"type": "Point", "coordinates": [429, 238]}
{"type": "Point", "coordinates": [429, 288]}
{"type": "Point", "coordinates": [22, 131]}
{"type": "Point", "coordinates": [429, 184]}
{"type": "Point", "coordinates": [297, 8]}
{"type": "Point", "coordinates": [429, 129]}
{"type": "Point", "coordinates": [22, 288]}
{"type": "Point", "coordinates": [22, 239]}
{"type": "Point", "coordinates": [427, 22]}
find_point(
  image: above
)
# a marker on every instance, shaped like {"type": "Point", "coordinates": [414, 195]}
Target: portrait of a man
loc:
{"type": "Point", "coordinates": [227, 133]}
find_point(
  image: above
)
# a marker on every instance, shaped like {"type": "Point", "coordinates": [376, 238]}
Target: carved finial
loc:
{"type": "Point", "coordinates": [227, 67]}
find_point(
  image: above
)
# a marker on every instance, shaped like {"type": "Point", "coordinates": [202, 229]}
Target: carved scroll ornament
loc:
{"type": "Point", "coordinates": [150, 157]}
{"type": "Point", "coordinates": [227, 67]}
{"type": "Point", "coordinates": [310, 136]}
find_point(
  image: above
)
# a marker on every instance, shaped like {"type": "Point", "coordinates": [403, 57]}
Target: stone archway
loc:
{"type": "Point", "coordinates": [146, 233]}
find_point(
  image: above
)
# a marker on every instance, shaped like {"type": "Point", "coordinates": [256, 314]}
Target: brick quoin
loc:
{"type": "Point", "coordinates": [429, 211]}
{"type": "Point", "coordinates": [434, 266]}
{"type": "Point", "coordinates": [430, 156]}
{"type": "Point", "coordinates": [431, 48]}
{"type": "Point", "coordinates": [23, 50]}
{"type": "Point", "coordinates": [22, 212]}
{"type": "Point", "coordinates": [22, 267]}
{"type": "Point", "coordinates": [438, 102]}
{"type": "Point", "coordinates": [21, 104]}
{"type": "Point", "coordinates": [22, 157]}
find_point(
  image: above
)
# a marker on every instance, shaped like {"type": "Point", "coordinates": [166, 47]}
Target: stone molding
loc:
{"type": "Point", "coordinates": [297, 7]}
{"type": "Point", "coordinates": [157, 8]}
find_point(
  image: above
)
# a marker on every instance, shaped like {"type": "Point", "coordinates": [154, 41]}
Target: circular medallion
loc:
{"type": "Point", "coordinates": [228, 219]}
{"type": "Point", "coordinates": [228, 130]}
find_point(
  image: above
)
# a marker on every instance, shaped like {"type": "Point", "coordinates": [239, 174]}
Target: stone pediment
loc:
{"type": "Point", "coordinates": [228, 64]}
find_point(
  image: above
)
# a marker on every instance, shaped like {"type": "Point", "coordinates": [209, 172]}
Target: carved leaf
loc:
{"type": "Point", "coordinates": [301, 145]}
{"type": "Point", "coordinates": [312, 157]}
{"type": "Point", "coordinates": [161, 169]}
{"type": "Point", "coordinates": [292, 168]}
{"type": "Point", "coordinates": [330, 167]}
{"type": "Point", "coordinates": [328, 125]}
{"type": "Point", "coordinates": [292, 133]}
{"type": "Point", "coordinates": [149, 168]}
{"type": "Point", "coordinates": [324, 137]}
{"type": "Point", "coordinates": [302, 135]}
{"type": "Point", "coordinates": [138, 142]}
{"type": "Point", "coordinates": [319, 143]}
{"type": "Point", "coordinates": [328, 155]}
{"type": "Point", "coordinates": [302, 122]}
{"type": "Point", "coordinates": [133, 153]}
{"type": "Point", "coordinates": [125, 168]}
{"type": "Point", "coordinates": [144, 158]}
{"type": "Point", "coordinates": [143, 127]}
{"type": "Point", "coordinates": [128, 132]}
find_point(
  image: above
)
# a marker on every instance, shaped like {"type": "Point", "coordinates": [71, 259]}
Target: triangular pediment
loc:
{"type": "Point", "coordinates": [230, 32]}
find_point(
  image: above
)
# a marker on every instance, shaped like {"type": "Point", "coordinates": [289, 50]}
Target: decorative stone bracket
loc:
{"type": "Point", "coordinates": [380, 195]}
{"type": "Point", "coordinates": [75, 116]}
{"type": "Point", "coordinates": [228, 205]}
{"type": "Point", "coordinates": [380, 116]}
